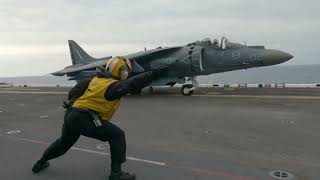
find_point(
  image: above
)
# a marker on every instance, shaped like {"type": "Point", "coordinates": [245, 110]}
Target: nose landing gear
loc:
{"type": "Point", "coordinates": [188, 89]}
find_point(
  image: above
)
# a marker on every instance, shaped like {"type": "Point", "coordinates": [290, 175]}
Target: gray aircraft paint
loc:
{"type": "Point", "coordinates": [191, 60]}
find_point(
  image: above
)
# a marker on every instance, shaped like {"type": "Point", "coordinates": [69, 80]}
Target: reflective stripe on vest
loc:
{"type": "Point", "coordinates": [93, 99]}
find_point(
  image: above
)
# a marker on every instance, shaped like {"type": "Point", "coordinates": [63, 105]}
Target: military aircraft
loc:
{"type": "Point", "coordinates": [184, 63]}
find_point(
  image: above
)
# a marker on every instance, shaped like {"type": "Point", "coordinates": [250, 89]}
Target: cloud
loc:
{"type": "Point", "coordinates": [123, 26]}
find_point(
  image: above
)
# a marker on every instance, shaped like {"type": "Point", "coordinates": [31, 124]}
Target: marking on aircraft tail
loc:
{"type": "Point", "coordinates": [79, 54]}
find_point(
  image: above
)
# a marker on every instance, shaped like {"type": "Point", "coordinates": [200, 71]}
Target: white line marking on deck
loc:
{"type": "Point", "coordinates": [175, 166]}
{"type": "Point", "coordinates": [17, 89]}
{"type": "Point", "coordinates": [21, 92]}
{"type": "Point", "coordinates": [255, 96]}
{"type": "Point", "coordinates": [14, 132]}
{"type": "Point", "coordinates": [103, 146]}
{"type": "Point", "coordinates": [128, 157]}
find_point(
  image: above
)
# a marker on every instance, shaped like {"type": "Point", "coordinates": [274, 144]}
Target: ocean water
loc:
{"type": "Point", "coordinates": [299, 74]}
{"type": "Point", "coordinates": [46, 80]}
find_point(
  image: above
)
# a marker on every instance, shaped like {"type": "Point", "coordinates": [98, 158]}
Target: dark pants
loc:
{"type": "Point", "coordinates": [79, 122]}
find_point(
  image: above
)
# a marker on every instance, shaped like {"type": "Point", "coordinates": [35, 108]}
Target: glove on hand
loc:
{"type": "Point", "coordinates": [66, 105]}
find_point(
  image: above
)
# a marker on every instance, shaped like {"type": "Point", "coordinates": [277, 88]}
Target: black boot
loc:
{"type": "Point", "coordinates": [39, 166]}
{"type": "Point", "coordinates": [122, 176]}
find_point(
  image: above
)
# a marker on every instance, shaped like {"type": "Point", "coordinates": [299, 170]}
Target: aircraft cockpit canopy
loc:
{"type": "Point", "coordinates": [224, 43]}
{"type": "Point", "coordinates": [206, 42]}
{"type": "Point", "coordinates": [210, 43]}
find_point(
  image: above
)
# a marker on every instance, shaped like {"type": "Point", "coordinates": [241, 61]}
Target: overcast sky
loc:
{"type": "Point", "coordinates": [34, 33]}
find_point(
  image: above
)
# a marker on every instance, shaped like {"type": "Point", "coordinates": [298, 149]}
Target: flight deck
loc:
{"type": "Point", "coordinates": [216, 134]}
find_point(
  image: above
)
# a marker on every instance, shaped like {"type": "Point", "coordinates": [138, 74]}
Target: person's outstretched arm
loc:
{"type": "Point", "coordinates": [121, 88]}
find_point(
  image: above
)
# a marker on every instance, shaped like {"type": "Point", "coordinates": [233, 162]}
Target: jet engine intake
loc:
{"type": "Point", "coordinates": [196, 57]}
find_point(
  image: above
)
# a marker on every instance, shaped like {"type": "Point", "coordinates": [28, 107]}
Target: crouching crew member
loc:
{"type": "Point", "coordinates": [92, 104]}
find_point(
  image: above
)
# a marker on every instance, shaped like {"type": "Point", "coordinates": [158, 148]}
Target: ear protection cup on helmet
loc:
{"type": "Point", "coordinates": [124, 75]}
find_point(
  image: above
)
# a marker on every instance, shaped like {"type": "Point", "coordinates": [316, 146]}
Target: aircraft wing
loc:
{"type": "Point", "coordinates": [136, 68]}
{"type": "Point", "coordinates": [80, 67]}
{"type": "Point", "coordinates": [147, 54]}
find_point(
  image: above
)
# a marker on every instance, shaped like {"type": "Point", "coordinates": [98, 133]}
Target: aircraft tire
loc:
{"type": "Point", "coordinates": [184, 92]}
{"type": "Point", "coordinates": [150, 90]}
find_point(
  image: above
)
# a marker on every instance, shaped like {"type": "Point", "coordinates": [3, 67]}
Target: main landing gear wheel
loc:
{"type": "Point", "coordinates": [150, 90]}
{"type": "Point", "coordinates": [185, 90]}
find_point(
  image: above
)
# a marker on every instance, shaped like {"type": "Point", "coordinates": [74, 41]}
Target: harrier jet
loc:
{"type": "Point", "coordinates": [184, 63]}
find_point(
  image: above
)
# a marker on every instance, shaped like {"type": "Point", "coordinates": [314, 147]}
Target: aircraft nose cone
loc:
{"type": "Point", "coordinates": [273, 57]}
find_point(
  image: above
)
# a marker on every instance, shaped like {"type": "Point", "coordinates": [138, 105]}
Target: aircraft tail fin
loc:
{"type": "Point", "coordinates": [78, 55]}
